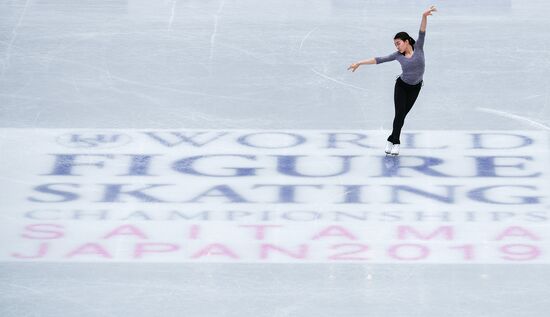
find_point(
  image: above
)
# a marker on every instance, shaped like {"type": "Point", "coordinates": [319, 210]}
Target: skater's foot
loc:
{"type": "Point", "coordinates": [395, 149]}
{"type": "Point", "coordinates": [389, 146]}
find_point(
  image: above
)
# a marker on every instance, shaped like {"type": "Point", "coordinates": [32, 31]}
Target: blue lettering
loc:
{"type": "Point", "coordinates": [296, 140]}
{"type": "Point", "coordinates": [64, 196]}
{"type": "Point", "coordinates": [114, 191]}
{"type": "Point", "coordinates": [391, 166]}
{"type": "Point", "coordinates": [480, 194]}
{"type": "Point", "coordinates": [64, 163]}
{"type": "Point", "coordinates": [479, 141]}
{"type": "Point", "coordinates": [183, 138]}
{"type": "Point", "coordinates": [220, 191]}
{"type": "Point", "coordinates": [42, 215]}
{"type": "Point", "coordinates": [139, 165]}
{"type": "Point", "coordinates": [333, 140]}
{"type": "Point", "coordinates": [486, 166]}
{"type": "Point", "coordinates": [287, 193]}
{"type": "Point", "coordinates": [186, 166]}
{"type": "Point", "coordinates": [352, 194]}
{"type": "Point", "coordinates": [286, 164]}
{"type": "Point", "coordinates": [448, 198]}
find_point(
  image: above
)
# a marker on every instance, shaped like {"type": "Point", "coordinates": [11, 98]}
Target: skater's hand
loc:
{"type": "Point", "coordinates": [353, 67]}
{"type": "Point", "coordinates": [429, 11]}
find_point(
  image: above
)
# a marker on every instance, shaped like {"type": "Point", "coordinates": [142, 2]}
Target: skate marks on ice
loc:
{"type": "Point", "coordinates": [256, 196]}
{"type": "Point", "coordinates": [505, 114]}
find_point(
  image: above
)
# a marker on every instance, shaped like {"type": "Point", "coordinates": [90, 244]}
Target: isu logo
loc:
{"type": "Point", "coordinates": [84, 140]}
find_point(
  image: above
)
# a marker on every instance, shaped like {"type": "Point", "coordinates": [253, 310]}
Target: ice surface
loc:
{"type": "Point", "coordinates": [269, 78]}
{"type": "Point", "coordinates": [269, 64]}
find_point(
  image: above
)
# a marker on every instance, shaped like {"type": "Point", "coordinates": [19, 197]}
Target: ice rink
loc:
{"type": "Point", "coordinates": [217, 158]}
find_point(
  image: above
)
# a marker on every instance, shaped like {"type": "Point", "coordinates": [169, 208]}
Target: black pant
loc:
{"type": "Point", "coordinates": [404, 97]}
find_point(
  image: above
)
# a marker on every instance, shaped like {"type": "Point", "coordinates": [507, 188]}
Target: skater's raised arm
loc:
{"type": "Point", "coordinates": [425, 18]}
{"type": "Point", "coordinates": [422, 33]}
{"type": "Point", "coordinates": [369, 61]}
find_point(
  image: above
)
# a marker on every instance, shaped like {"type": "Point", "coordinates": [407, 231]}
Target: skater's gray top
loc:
{"type": "Point", "coordinates": [412, 67]}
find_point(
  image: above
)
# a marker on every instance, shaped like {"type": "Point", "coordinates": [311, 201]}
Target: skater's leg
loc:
{"type": "Point", "coordinates": [400, 104]}
{"type": "Point", "coordinates": [412, 95]}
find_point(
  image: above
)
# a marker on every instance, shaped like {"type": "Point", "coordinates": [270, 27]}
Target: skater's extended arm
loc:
{"type": "Point", "coordinates": [369, 61]}
{"type": "Point", "coordinates": [425, 18]}
{"type": "Point", "coordinates": [374, 60]}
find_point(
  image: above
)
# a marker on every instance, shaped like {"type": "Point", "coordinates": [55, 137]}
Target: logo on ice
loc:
{"type": "Point", "coordinates": [93, 140]}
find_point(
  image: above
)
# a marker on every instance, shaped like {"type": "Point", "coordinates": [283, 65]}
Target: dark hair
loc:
{"type": "Point", "coordinates": [404, 36]}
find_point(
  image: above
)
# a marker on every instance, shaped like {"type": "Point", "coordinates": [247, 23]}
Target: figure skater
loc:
{"type": "Point", "coordinates": [410, 54]}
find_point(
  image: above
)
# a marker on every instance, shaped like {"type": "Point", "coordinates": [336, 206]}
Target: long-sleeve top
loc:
{"type": "Point", "coordinates": [413, 67]}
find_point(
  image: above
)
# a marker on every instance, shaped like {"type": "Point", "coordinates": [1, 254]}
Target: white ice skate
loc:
{"type": "Point", "coordinates": [389, 146]}
{"type": "Point", "coordinates": [395, 149]}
